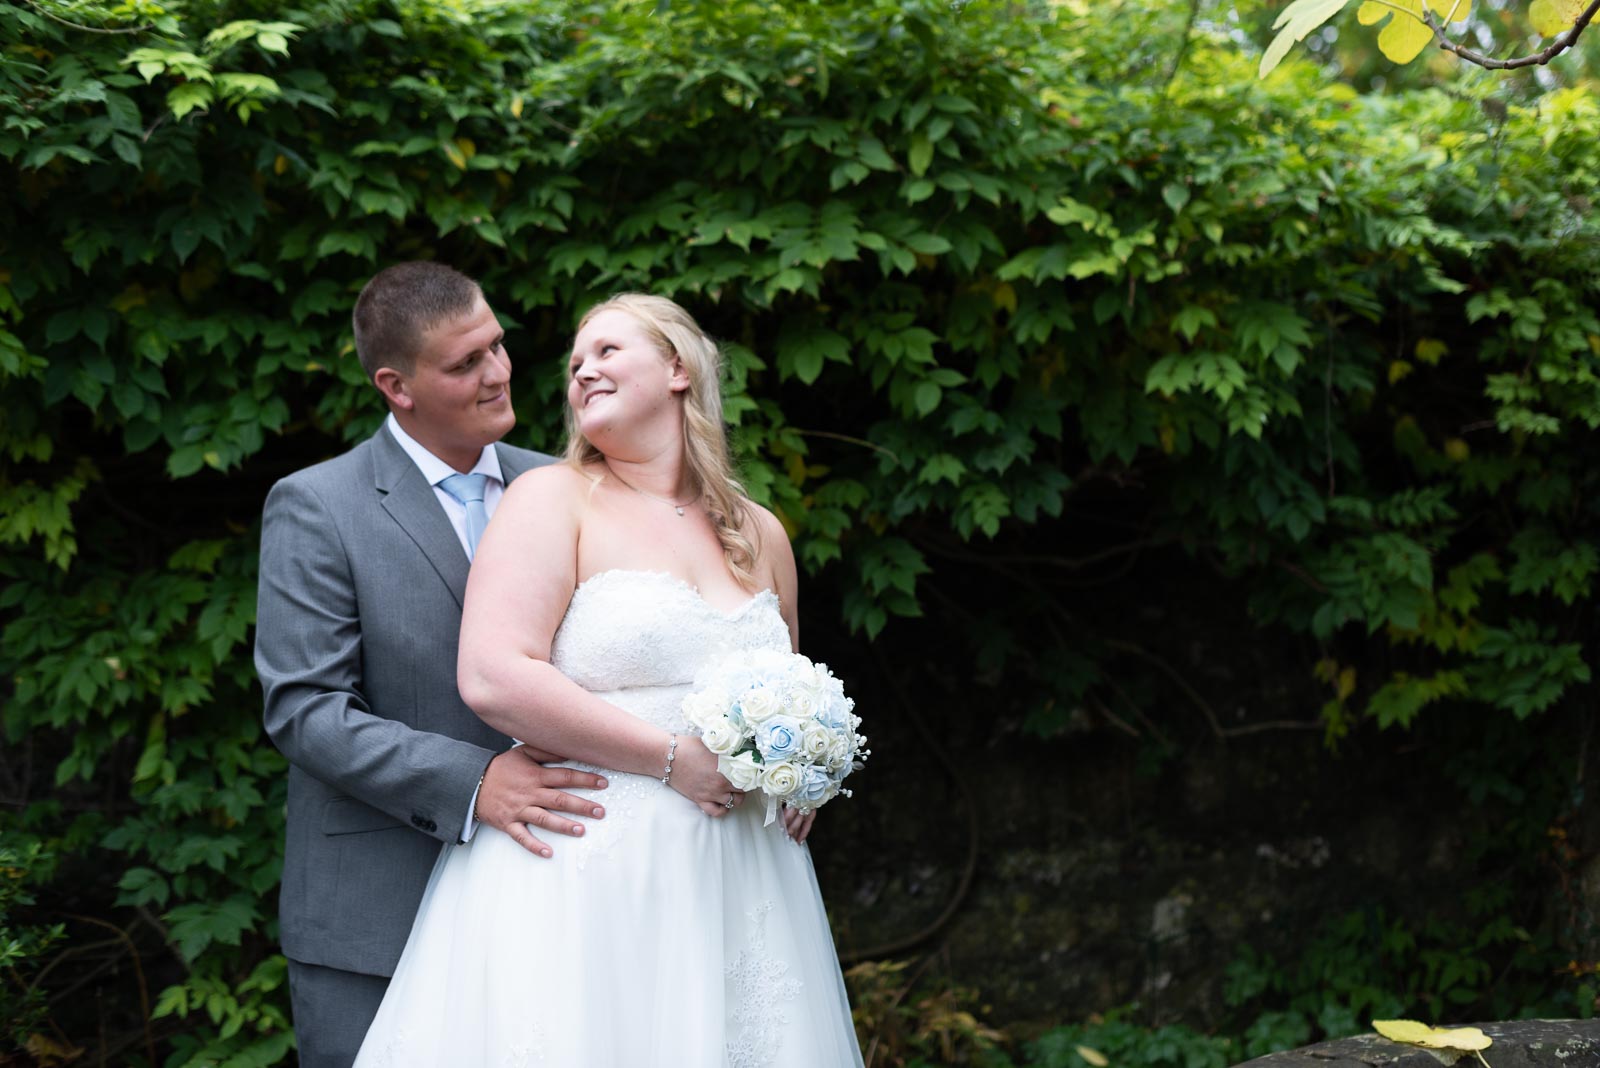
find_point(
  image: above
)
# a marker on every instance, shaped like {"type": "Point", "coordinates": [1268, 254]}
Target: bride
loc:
{"type": "Point", "coordinates": [679, 931]}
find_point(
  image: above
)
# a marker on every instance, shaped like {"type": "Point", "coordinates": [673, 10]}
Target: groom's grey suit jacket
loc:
{"type": "Point", "coordinates": [358, 618]}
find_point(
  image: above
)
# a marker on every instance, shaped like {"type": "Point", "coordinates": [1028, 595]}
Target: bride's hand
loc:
{"type": "Point", "coordinates": [695, 776]}
{"type": "Point", "coordinates": [797, 824]}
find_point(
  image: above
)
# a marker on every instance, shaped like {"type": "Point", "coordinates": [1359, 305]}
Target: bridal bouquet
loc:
{"type": "Point", "coordinates": [778, 723]}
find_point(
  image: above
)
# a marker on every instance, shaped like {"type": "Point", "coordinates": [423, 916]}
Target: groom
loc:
{"type": "Point", "coordinates": [363, 568]}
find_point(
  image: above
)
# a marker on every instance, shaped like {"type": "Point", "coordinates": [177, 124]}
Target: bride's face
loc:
{"type": "Point", "coordinates": [618, 378]}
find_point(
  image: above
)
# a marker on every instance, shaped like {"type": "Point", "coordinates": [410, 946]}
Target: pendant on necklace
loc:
{"type": "Point", "coordinates": [678, 508]}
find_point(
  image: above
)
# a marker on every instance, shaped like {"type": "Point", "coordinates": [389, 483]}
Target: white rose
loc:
{"type": "Point", "coordinates": [838, 752]}
{"type": "Point", "coordinates": [804, 702]}
{"type": "Point", "coordinates": [781, 779]}
{"type": "Point", "coordinates": [720, 735]}
{"type": "Point", "coordinates": [759, 705]}
{"type": "Point", "coordinates": [815, 742]}
{"type": "Point", "coordinates": [742, 771]}
{"type": "Point", "coordinates": [702, 708]}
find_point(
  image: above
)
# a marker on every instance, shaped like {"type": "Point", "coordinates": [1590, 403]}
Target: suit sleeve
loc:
{"type": "Point", "coordinates": [308, 656]}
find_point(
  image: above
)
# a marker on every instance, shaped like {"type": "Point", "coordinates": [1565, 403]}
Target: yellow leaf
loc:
{"type": "Point", "coordinates": [1550, 17]}
{"type": "Point", "coordinates": [1347, 682]}
{"type": "Point", "coordinates": [280, 164]}
{"type": "Point", "coordinates": [1370, 13]}
{"type": "Point", "coordinates": [454, 155]}
{"type": "Point", "coordinates": [1005, 297]}
{"type": "Point", "coordinates": [134, 296]}
{"type": "Point", "coordinates": [1406, 35]}
{"type": "Point", "coordinates": [468, 149]}
{"type": "Point", "coordinates": [1398, 370]}
{"type": "Point", "coordinates": [516, 106]}
{"type": "Point", "coordinates": [1457, 450]}
{"type": "Point", "coordinates": [1092, 1055]}
{"type": "Point", "coordinates": [1413, 1033]}
{"type": "Point", "coordinates": [1430, 350]}
{"type": "Point", "coordinates": [1293, 24]}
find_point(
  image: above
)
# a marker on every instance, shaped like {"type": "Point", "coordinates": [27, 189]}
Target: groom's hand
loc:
{"type": "Point", "coordinates": [518, 793]}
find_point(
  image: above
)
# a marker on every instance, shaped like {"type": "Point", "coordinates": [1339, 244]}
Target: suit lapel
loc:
{"type": "Point", "coordinates": [514, 462]}
{"type": "Point", "coordinates": [411, 502]}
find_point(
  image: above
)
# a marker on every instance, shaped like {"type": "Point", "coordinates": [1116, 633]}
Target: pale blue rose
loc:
{"type": "Point", "coordinates": [816, 786]}
{"type": "Point", "coordinates": [778, 738]}
{"type": "Point", "coordinates": [835, 714]}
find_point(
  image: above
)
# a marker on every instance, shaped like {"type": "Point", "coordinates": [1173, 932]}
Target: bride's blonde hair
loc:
{"type": "Point", "coordinates": [705, 444]}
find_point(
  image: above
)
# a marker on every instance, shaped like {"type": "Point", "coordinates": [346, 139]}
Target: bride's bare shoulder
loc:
{"type": "Point", "coordinates": [770, 538]}
{"type": "Point", "coordinates": [554, 486]}
{"type": "Point", "coordinates": [766, 525]}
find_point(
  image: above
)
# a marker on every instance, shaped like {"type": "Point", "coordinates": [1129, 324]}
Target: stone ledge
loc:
{"type": "Point", "coordinates": [1517, 1044]}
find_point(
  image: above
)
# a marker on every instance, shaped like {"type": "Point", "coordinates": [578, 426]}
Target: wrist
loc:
{"type": "Point", "coordinates": [672, 754]}
{"type": "Point", "coordinates": [477, 793]}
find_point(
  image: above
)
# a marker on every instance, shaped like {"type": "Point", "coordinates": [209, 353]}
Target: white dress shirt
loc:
{"type": "Point", "coordinates": [436, 471]}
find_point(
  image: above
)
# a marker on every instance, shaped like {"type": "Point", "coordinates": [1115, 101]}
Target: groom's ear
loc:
{"type": "Point", "coordinates": [395, 387]}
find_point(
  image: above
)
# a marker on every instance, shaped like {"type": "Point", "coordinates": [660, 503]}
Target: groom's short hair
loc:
{"type": "Point", "coordinates": [402, 303]}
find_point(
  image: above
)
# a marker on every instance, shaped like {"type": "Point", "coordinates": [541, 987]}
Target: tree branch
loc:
{"type": "Point", "coordinates": [1562, 42]}
{"type": "Point", "coordinates": [848, 440]}
{"type": "Point", "coordinates": [1183, 46]}
{"type": "Point", "coordinates": [47, 13]}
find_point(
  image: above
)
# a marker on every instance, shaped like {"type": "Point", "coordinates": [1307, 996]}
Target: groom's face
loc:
{"type": "Point", "coordinates": [456, 399]}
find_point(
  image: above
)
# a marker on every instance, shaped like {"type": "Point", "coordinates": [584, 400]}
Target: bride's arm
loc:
{"type": "Point", "coordinates": [523, 576]}
{"type": "Point", "coordinates": [776, 563]}
{"type": "Point", "coordinates": [775, 566]}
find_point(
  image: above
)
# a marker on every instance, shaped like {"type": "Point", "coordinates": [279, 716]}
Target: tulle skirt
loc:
{"type": "Point", "coordinates": [660, 938]}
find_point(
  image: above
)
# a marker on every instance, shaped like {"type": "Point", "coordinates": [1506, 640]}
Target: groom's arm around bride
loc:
{"type": "Point", "coordinates": [364, 563]}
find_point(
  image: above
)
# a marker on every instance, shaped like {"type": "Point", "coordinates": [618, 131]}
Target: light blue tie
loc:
{"type": "Point", "coordinates": [469, 490]}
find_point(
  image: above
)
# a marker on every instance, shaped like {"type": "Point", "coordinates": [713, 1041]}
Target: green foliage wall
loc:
{"type": "Point", "coordinates": [1342, 349]}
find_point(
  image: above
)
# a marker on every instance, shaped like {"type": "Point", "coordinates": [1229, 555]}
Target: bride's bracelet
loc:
{"type": "Point", "coordinates": [672, 751]}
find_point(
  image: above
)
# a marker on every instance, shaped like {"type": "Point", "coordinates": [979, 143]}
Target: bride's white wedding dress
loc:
{"type": "Point", "coordinates": [661, 937]}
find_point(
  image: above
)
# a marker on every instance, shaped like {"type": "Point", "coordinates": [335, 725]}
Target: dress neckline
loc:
{"type": "Point", "coordinates": [693, 591]}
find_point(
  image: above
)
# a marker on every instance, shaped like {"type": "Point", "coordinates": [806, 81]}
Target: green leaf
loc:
{"type": "Point", "coordinates": [921, 154]}
{"type": "Point", "coordinates": [1191, 319]}
{"type": "Point", "coordinates": [871, 152]}
{"type": "Point", "coordinates": [188, 97]}
{"type": "Point", "coordinates": [802, 354]}
{"type": "Point", "coordinates": [942, 467]}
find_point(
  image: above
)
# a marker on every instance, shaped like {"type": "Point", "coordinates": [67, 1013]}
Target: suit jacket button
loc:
{"type": "Point", "coordinates": [432, 826]}
{"type": "Point", "coordinates": [417, 821]}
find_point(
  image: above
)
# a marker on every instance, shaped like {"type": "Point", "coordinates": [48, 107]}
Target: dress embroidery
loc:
{"type": "Point", "coordinates": [758, 987]}
{"type": "Point", "coordinates": [391, 1051]}
{"type": "Point", "coordinates": [526, 1054]}
{"type": "Point", "coordinates": [619, 645]}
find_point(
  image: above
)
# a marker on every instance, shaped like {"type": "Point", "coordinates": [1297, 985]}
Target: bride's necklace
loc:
{"type": "Point", "coordinates": [674, 505]}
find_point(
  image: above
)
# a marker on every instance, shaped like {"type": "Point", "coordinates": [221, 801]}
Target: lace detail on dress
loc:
{"type": "Point", "coordinates": [631, 630]}
{"type": "Point", "coordinates": [392, 1049]}
{"type": "Point", "coordinates": [526, 1054]}
{"type": "Point", "coordinates": [637, 639]}
{"type": "Point", "coordinates": [621, 799]}
{"type": "Point", "coordinates": [757, 988]}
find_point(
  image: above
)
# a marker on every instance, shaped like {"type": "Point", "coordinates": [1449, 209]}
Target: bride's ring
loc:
{"type": "Point", "coordinates": [729, 802]}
